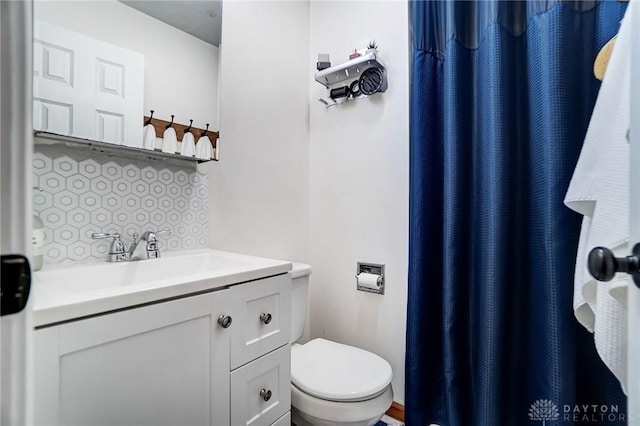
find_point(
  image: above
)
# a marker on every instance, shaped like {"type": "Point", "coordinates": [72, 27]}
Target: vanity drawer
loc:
{"type": "Point", "coordinates": [284, 420]}
{"type": "Point", "coordinates": [261, 318]}
{"type": "Point", "coordinates": [261, 390]}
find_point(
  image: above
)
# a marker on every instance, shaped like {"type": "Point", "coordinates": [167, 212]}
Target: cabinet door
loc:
{"type": "Point", "coordinates": [85, 87]}
{"type": "Point", "coordinates": [261, 390]}
{"type": "Point", "coordinates": [261, 318]}
{"type": "Point", "coordinates": [163, 364]}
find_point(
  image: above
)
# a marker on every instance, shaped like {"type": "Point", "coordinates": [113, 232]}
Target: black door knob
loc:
{"type": "Point", "coordinates": [603, 265]}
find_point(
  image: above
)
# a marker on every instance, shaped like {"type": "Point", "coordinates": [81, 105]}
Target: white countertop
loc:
{"type": "Point", "coordinates": [65, 292]}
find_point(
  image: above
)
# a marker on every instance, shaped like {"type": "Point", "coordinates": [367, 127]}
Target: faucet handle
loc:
{"type": "Point", "coordinates": [117, 252]}
{"type": "Point", "coordinates": [101, 235]}
{"type": "Point", "coordinates": [152, 243]}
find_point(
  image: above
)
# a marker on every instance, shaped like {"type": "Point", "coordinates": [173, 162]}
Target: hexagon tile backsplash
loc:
{"type": "Point", "coordinates": [85, 193]}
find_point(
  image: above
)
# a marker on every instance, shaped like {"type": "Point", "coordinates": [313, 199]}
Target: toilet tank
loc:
{"type": "Point", "coordinates": [299, 298]}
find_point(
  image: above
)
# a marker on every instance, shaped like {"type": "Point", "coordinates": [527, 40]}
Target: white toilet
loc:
{"type": "Point", "coordinates": [331, 383]}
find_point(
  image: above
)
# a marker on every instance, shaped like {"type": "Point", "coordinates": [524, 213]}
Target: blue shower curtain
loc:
{"type": "Point", "coordinates": [501, 96]}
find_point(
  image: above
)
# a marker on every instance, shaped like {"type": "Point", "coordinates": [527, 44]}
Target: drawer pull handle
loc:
{"type": "Point", "coordinates": [265, 318]}
{"type": "Point", "coordinates": [265, 394]}
{"type": "Point", "coordinates": [225, 321]}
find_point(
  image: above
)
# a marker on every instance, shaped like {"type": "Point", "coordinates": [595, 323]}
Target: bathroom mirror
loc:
{"type": "Point", "coordinates": [101, 66]}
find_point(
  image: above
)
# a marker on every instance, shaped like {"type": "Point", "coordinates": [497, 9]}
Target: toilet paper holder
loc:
{"type": "Point", "coordinates": [371, 268]}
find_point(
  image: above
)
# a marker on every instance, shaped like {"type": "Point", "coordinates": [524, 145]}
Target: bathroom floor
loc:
{"type": "Point", "coordinates": [389, 421]}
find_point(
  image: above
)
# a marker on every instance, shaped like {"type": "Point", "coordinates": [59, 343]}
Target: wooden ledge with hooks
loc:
{"type": "Point", "coordinates": [181, 129]}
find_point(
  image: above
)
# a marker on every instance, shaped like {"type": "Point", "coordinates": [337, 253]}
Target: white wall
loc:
{"type": "Point", "coordinates": [168, 53]}
{"type": "Point", "coordinates": [328, 189]}
{"type": "Point", "coordinates": [259, 191]}
{"type": "Point", "coordinates": [359, 178]}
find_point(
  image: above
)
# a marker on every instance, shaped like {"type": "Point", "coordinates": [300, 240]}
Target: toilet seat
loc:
{"type": "Point", "coordinates": [335, 372]}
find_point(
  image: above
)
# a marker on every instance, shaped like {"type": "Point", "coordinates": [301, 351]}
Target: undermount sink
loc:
{"type": "Point", "coordinates": [67, 292]}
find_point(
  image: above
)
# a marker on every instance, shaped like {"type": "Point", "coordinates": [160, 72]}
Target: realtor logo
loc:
{"type": "Point", "coordinates": [543, 410]}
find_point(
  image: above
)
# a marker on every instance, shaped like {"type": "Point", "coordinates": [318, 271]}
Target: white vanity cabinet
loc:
{"type": "Point", "coordinates": [171, 362]}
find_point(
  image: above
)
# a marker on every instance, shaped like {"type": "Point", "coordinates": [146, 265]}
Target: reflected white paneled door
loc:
{"type": "Point", "coordinates": [85, 87]}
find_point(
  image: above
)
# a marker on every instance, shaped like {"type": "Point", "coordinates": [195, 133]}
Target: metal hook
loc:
{"type": "Point", "coordinates": [205, 132]}
{"type": "Point", "coordinates": [150, 117]}
{"type": "Point", "coordinates": [170, 124]}
{"type": "Point", "coordinates": [188, 128]}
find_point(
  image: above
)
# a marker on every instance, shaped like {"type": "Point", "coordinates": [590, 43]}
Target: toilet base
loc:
{"type": "Point", "coordinates": [299, 418]}
{"type": "Point", "coordinates": [310, 411]}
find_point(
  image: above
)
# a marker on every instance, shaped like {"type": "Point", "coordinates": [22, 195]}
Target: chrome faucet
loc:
{"type": "Point", "coordinates": [117, 251]}
{"type": "Point", "coordinates": [152, 242]}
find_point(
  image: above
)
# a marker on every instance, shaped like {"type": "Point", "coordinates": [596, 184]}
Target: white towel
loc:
{"type": "Point", "coordinates": [599, 190]}
{"type": "Point", "coordinates": [204, 149]}
{"type": "Point", "coordinates": [188, 147]}
{"type": "Point", "coordinates": [149, 137]}
{"type": "Point", "coordinates": [170, 141]}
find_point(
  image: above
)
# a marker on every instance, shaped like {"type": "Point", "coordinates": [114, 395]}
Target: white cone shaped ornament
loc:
{"type": "Point", "coordinates": [188, 147]}
{"type": "Point", "coordinates": [204, 149]}
{"type": "Point", "coordinates": [170, 141]}
{"type": "Point", "coordinates": [149, 137]}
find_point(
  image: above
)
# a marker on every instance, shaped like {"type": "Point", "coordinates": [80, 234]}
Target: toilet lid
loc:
{"type": "Point", "coordinates": [338, 372]}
